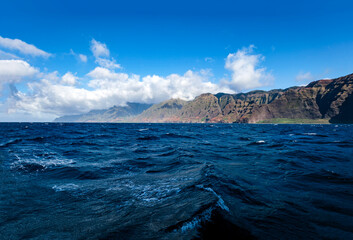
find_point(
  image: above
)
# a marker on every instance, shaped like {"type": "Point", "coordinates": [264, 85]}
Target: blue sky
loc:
{"type": "Point", "coordinates": [179, 44]}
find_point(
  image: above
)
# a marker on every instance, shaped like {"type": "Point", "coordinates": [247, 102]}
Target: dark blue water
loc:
{"type": "Point", "coordinates": [175, 181]}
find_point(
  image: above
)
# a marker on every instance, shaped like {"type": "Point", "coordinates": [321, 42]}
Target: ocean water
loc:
{"type": "Point", "coordinates": [175, 181]}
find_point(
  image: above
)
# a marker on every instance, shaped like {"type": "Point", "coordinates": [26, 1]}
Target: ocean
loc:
{"type": "Point", "coordinates": [175, 181]}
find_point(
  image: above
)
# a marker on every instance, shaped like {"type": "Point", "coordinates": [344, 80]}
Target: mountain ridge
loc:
{"type": "Point", "coordinates": [113, 114]}
{"type": "Point", "coordinates": [326, 100]}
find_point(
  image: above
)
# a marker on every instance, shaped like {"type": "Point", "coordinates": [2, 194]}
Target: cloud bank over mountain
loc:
{"type": "Point", "coordinates": [107, 85]}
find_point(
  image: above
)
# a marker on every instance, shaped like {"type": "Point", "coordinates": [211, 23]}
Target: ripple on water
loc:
{"type": "Point", "coordinates": [177, 181]}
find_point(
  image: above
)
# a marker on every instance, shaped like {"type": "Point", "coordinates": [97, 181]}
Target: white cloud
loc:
{"type": "Point", "coordinates": [51, 76]}
{"type": "Point", "coordinates": [209, 59]}
{"type": "Point", "coordinates": [304, 77]}
{"type": "Point", "coordinates": [12, 71]}
{"type": "Point", "coordinates": [99, 49]}
{"type": "Point", "coordinates": [55, 95]}
{"type": "Point", "coordinates": [7, 56]}
{"type": "Point", "coordinates": [22, 47]}
{"type": "Point", "coordinates": [109, 88]}
{"type": "Point", "coordinates": [246, 73]}
{"type": "Point", "coordinates": [106, 63]}
{"type": "Point", "coordinates": [7, 114]}
{"type": "Point", "coordinates": [102, 55]}
{"type": "Point", "coordinates": [15, 70]}
{"type": "Point", "coordinates": [80, 57]}
{"type": "Point", "coordinates": [83, 58]}
{"type": "Point", "coordinates": [186, 86]}
{"type": "Point", "coordinates": [106, 74]}
{"type": "Point", "coordinates": [69, 79]}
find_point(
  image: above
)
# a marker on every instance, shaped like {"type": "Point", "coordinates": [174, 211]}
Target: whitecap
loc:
{"type": "Point", "coordinates": [65, 187]}
{"type": "Point", "coordinates": [148, 195]}
{"type": "Point", "coordinates": [220, 201]}
{"type": "Point", "coordinates": [310, 134]}
{"type": "Point", "coordinates": [196, 221]}
{"type": "Point", "coordinates": [205, 215]}
{"type": "Point", "coordinates": [44, 163]}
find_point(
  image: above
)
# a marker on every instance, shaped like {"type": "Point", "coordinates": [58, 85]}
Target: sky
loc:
{"type": "Point", "coordinates": [69, 57]}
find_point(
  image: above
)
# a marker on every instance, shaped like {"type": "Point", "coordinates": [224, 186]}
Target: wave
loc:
{"type": "Point", "coordinates": [220, 201]}
{"type": "Point", "coordinates": [85, 143]}
{"type": "Point", "coordinates": [218, 226]}
{"type": "Point", "coordinates": [65, 187]}
{"type": "Point", "coordinates": [329, 176]}
{"type": "Point", "coordinates": [260, 142]}
{"type": "Point", "coordinates": [29, 167]}
{"type": "Point", "coordinates": [178, 181]}
{"type": "Point", "coordinates": [173, 135]}
{"type": "Point", "coordinates": [11, 142]}
{"type": "Point", "coordinates": [36, 164]}
{"type": "Point", "coordinates": [244, 138]}
{"type": "Point", "coordinates": [173, 166]}
{"type": "Point", "coordinates": [197, 220]}
{"type": "Point", "coordinates": [148, 138]}
{"type": "Point", "coordinates": [36, 139]}
{"type": "Point", "coordinates": [169, 153]}
{"type": "Point", "coordinates": [211, 223]}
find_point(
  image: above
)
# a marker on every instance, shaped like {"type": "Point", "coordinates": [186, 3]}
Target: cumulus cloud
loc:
{"type": "Point", "coordinates": [101, 73]}
{"type": "Point", "coordinates": [69, 79]}
{"type": "Point", "coordinates": [109, 88]}
{"type": "Point", "coordinates": [107, 63]}
{"type": "Point", "coordinates": [245, 70]}
{"type": "Point", "coordinates": [304, 77]}
{"type": "Point", "coordinates": [15, 70]}
{"type": "Point", "coordinates": [52, 76]}
{"type": "Point", "coordinates": [99, 49]}
{"type": "Point", "coordinates": [12, 71]}
{"type": "Point", "coordinates": [61, 95]}
{"type": "Point", "coordinates": [102, 55]}
{"type": "Point", "coordinates": [22, 47]}
{"type": "Point", "coordinates": [154, 88]}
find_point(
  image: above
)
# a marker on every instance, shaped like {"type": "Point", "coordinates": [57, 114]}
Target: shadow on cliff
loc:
{"type": "Point", "coordinates": [346, 112]}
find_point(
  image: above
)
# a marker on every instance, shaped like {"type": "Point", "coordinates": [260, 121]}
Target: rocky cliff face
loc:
{"type": "Point", "coordinates": [162, 112]}
{"type": "Point", "coordinates": [337, 103]}
{"type": "Point", "coordinates": [224, 107]}
{"type": "Point", "coordinates": [323, 99]}
{"type": "Point", "coordinates": [327, 100]}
